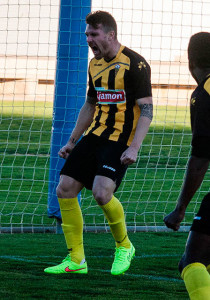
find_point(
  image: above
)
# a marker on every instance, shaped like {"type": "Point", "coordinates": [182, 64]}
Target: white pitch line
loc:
{"type": "Point", "coordinates": [91, 256]}
{"type": "Point", "coordinates": [139, 256]}
{"type": "Point", "coordinates": [19, 258]}
{"type": "Point", "coordinates": [147, 277]}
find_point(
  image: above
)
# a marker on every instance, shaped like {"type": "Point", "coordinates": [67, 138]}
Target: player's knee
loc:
{"type": "Point", "coordinates": [64, 191]}
{"type": "Point", "coordinates": [102, 196]}
{"type": "Point", "coordinates": [60, 191]}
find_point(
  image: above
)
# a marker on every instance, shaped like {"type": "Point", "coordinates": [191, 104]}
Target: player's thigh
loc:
{"type": "Point", "coordinates": [103, 189]}
{"type": "Point", "coordinates": [197, 249]}
{"type": "Point", "coordinates": [109, 164]}
{"type": "Point", "coordinates": [81, 162]}
{"type": "Point", "coordinates": [198, 243]}
{"type": "Point", "coordinates": [68, 187]}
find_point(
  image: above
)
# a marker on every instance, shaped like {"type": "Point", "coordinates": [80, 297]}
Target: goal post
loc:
{"type": "Point", "coordinates": [70, 87]}
{"type": "Point", "coordinates": [43, 78]}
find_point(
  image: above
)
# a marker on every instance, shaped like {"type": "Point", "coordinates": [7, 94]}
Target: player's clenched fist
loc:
{"type": "Point", "coordinates": [65, 150]}
{"type": "Point", "coordinates": [129, 156]}
{"type": "Point", "coordinates": [174, 219]}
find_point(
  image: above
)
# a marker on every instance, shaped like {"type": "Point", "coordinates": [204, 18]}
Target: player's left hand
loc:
{"type": "Point", "coordinates": [129, 156]}
{"type": "Point", "coordinates": [174, 219]}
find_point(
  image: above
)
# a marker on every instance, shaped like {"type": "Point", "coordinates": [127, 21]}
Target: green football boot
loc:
{"type": "Point", "coordinates": [122, 261]}
{"type": "Point", "coordinates": [68, 266]}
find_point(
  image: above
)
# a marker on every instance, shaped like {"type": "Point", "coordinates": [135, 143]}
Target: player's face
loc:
{"type": "Point", "coordinates": [192, 70]}
{"type": "Point", "coordinates": [97, 40]}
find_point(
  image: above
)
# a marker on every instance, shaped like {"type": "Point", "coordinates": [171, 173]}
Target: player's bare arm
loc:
{"type": "Point", "coordinates": [130, 155]}
{"type": "Point", "coordinates": [196, 171]}
{"type": "Point", "coordinates": [83, 122]}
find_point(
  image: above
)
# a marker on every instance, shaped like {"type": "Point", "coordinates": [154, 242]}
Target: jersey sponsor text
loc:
{"type": "Point", "coordinates": [111, 97]}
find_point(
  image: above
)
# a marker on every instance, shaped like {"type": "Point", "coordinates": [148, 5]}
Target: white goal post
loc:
{"type": "Point", "coordinates": [160, 32]}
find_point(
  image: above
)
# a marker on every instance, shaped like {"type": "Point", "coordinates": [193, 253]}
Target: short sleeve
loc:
{"type": "Point", "coordinates": [91, 90]}
{"type": "Point", "coordinates": [142, 77]}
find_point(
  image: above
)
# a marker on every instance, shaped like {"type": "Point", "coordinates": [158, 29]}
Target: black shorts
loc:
{"type": "Point", "coordinates": [94, 155]}
{"type": "Point", "coordinates": [201, 222]}
{"type": "Point", "coordinates": [201, 146]}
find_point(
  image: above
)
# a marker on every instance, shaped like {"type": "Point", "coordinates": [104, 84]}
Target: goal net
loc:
{"type": "Point", "coordinates": [159, 31]}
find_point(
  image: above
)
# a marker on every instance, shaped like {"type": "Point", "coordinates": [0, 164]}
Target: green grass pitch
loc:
{"type": "Point", "coordinates": [153, 273]}
{"type": "Point", "coordinates": [148, 192]}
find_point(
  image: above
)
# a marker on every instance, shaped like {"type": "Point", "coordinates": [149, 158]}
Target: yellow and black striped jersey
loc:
{"type": "Point", "coordinates": [117, 85]}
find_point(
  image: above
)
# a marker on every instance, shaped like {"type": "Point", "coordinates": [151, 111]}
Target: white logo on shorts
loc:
{"type": "Point", "coordinates": [110, 168]}
{"type": "Point", "coordinates": [197, 218]}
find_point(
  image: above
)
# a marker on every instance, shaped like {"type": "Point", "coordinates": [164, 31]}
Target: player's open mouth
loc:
{"type": "Point", "coordinates": [95, 50]}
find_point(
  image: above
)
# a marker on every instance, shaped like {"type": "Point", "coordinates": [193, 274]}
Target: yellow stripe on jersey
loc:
{"type": "Point", "coordinates": [104, 115]}
{"type": "Point", "coordinates": [99, 130]}
{"type": "Point", "coordinates": [136, 112]}
{"type": "Point", "coordinates": [207, 86]}
{"type": "Point", "coordinates": [104, 109]}
{"type": "Point", "coordinates": [119, 78]}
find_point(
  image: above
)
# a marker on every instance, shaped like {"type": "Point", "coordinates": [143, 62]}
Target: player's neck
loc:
{"type": "Point", "coordinates": [113, 50]}
{"type": "Point", "coordinates": [200, 74]}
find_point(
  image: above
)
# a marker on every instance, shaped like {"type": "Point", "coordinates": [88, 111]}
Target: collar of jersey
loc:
{"type": "Point", "coordinates": [116, 56]}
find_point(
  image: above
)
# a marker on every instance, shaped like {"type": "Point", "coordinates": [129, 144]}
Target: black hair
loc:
{"type": "Point", "coordinates": [108, 22]}
{"type": "Point", "coordinates": [199, 49]}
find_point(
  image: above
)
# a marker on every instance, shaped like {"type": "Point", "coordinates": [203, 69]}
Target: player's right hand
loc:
{"type": "Point", "coordinates": [65, 151]}
{"type": "Point", "coordinates": [174, 219]}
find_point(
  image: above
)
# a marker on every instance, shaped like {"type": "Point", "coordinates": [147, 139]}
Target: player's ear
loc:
{"type": "Point", "coordinates": [193, 70]}
{"type": "Point", "coordinates": [191, 65]}
{"type": "Point", "coordinates": [111, 36]}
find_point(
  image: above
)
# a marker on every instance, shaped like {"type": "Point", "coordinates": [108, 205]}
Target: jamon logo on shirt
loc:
{"type": "Point", "coordinates": [110, 96]}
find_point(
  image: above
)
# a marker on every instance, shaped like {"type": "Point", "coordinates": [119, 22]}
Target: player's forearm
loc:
{"type": "Point", "coordinates": [144, 121]}
{"type": "Point", "coordinates": [141, 131]}
{"type": "Point", "coordinates": [84, 120]}
{"type": "Point", "coordinates": [196, 171]}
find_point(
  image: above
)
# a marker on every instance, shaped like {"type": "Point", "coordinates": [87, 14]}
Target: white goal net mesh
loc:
{"type": "Point", "coordinates": [159, 31]}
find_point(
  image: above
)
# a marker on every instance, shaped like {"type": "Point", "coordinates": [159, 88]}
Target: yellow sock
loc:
{"type": "Point", "coordinates": [114, 214]}
{"type": "Point", "coordinates": [197, 281]}
{"type": "Point", "coordinates": [72, 224]}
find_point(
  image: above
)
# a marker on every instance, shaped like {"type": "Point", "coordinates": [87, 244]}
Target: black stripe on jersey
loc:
{"type": "Point", "coordinates": [110, 121]}
{"type": "Point", "coordinates": [111, 80]}
{"type": "Point", "coordinates": [129, 117]}
{"type": "Point", "coordinates": [97, 119]}
{"type": "Point", "coordinates": [98, 82]}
